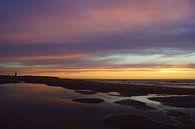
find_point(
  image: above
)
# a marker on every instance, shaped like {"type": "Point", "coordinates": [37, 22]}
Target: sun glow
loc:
{"type": "Point", "coordinates": [113, 73]}
{"type": "Point", "coordinates": [175, 70]}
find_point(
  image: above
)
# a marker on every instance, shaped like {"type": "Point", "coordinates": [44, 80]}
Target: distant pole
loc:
{"type": "Point", "coordinates": [16, 74]}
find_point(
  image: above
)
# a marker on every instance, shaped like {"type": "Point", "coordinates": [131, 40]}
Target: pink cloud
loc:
{"type": "Point", "coordinates": [130, 15]}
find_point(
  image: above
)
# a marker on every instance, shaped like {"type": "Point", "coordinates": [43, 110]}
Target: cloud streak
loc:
{"type": "Point", "coordinates": [97, 33]}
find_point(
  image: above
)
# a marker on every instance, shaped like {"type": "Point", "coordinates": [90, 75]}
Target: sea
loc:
{"type": "Point", "coordinates": [185, 83]}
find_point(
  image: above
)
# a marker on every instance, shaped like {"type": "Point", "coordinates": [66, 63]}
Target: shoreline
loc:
{"type": "Point", "coordinates": [77, 84]}
{"type": "Point", "coordinates": [85, 105]}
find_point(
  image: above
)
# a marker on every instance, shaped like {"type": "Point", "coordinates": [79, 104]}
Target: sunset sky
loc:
{"type": "Point", "coordinates": [116, 39]}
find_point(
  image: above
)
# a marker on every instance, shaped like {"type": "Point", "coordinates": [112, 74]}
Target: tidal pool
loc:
{"type": "Point", "coordinates": [27, 105]}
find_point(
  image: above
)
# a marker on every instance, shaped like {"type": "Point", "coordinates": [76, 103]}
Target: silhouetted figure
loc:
{"type": "Point", "coordinates": [16, 74]}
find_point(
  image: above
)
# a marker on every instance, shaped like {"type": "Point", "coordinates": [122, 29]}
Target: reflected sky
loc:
{"type": "Point", "coordinates": [27, 105]}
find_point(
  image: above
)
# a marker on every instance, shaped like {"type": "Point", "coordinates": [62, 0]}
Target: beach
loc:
{"type": "Point", "coordinates": [51, 102]}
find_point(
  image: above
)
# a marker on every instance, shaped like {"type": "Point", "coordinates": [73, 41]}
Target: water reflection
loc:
{"type": "Point", "coordinates": [26, 102]}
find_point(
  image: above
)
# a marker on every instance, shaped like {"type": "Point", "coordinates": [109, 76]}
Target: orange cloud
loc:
{"type": "Point", "coordinates": [50, 57]}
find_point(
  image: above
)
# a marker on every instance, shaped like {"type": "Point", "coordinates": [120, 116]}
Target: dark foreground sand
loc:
{"type": "Point", "coordinates": [137, 121]}
{"type": "Point", "coordinates": [134, 103]}
{"type": "Point", "coordinates": [182, 120]}
{"type": "Point", "coordinates": [86, 92]}
{"type": "Point", "coordinates": [184, 101]}
{"type": "Point", "coordinates": [70, 114]}
{"type": "Point", "coordinates": [89, 100]}
{"type": "Point", "coordinates": [134, 121]}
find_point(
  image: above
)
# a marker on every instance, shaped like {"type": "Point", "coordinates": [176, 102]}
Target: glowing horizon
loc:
{"type": "Point", "coordinates": [112, 73]}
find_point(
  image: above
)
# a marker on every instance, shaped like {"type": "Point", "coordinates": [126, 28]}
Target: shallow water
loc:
{"type": "Point", "coordinates": [159, 83]}
{"type": "Point", "coordinates": [39, 105]}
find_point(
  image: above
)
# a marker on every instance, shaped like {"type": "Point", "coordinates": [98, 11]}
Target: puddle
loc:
{"type": "Point", "coordinates": [53, 100]}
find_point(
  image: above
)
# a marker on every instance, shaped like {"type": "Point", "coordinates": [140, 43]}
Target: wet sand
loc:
{"type": "Point", "coordinates": [38, 106]}
{"type": "Point", "coordinates": [89, 100]}
{"type": "Point", "coordinates": [48, 103]}
{"type": "Point", "coordinates": [183, 101]}
{"type": "Point", "coordinates": [86, 92]}
{"type": "Point", "coordinates": [76, 84]}
{"type": "Point", "coordinates": [134, 103]}
{"type": "Point", "coordinates": [182, 120]}
{"type": "Point", "coordinates": [135, 121]}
